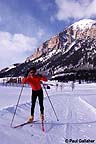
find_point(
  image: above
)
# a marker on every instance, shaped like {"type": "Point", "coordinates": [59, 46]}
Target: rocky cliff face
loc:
{"type": "Point", "coordinates": [78, 31]}
{"type": "Point", "coordinates": [45, 48]}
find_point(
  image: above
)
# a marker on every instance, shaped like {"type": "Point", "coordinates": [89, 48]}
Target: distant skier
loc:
{"type": "Point", "coordinates": [56, 86]}
{"type": "Point", "coordinates": [73, 85]}
{"type": "Point", "coordinates": [35, 80]}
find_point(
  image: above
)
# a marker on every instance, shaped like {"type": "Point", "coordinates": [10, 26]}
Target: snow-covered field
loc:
{"type": "Point", "coordinates": [76, 110]}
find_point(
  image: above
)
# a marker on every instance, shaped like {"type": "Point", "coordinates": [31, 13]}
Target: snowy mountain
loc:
{"type": "Point", "coordinates": [74, 49]}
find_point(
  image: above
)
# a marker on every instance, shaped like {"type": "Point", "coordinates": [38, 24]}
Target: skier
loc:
{"type": "Point", "coordinates": [35, 80]}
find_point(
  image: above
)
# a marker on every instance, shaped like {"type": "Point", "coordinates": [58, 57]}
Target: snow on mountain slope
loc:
{"type": "Point", "coordinates": [77, 118]}
{"type": "Point", "coordinates": [83, 24]}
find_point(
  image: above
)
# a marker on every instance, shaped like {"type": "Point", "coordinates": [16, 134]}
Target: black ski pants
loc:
{"type": "Point", "coordinates": [35, 94]}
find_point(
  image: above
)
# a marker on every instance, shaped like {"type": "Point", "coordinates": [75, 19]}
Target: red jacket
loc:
{"type": "Point", "coordinates": [34, 81]}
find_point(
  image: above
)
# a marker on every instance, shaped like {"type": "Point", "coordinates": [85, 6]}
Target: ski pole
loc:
{"type": "Point", "coordinates": [17, 105]}
{"type": "Point", "coordinates": [50, 102]}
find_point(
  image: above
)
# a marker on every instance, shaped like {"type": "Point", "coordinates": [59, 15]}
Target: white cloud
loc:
{"type": "Point", "coordinates": [75, 9]}
{"type": "Point", "coordinates": [40, 33]}
{"type": "Point", "coordinates": [18, 21]}
{"type": "Point", "coordinates": [15, 48]}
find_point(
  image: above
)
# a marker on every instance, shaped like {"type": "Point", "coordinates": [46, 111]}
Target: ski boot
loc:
{"type": "Point", "coordinates": [31, 118]}
{"type": "Point", "coordinates": [42, 117]}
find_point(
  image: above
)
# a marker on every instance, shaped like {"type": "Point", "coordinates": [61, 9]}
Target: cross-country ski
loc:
{"type": "Point", "coordinates": [42, 123]}
{"type": "Point", "coordinates": [23, 124]}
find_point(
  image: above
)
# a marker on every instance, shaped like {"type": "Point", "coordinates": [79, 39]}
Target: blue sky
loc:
{"type": "Point", "coordinates": [25, 24]}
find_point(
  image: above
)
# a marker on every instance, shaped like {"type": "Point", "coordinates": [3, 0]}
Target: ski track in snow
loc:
{"type": "Point", "coordinates": [77, 118]}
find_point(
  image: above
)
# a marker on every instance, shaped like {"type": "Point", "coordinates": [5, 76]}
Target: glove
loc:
{"type": "Point", "coordinates": [48, 87]}
{"type": "Point", "coordinates": [39, 75]}
{"type": "Point", "coordinates": [26, 73]}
